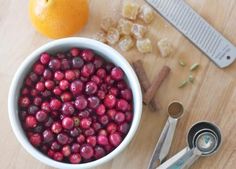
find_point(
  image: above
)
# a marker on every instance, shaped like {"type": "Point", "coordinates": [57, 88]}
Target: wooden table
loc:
{"type": "Point", "coordinates": [212, 97]}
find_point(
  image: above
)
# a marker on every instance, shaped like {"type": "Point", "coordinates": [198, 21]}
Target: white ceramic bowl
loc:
{"type": "Point", "coordinates": [64, 44]}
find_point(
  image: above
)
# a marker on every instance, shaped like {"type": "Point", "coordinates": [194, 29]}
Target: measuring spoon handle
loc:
{"type": "Point", "coordinates": [163, 145]}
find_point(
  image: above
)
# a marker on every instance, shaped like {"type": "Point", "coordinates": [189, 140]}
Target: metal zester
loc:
{"type": "Point", "coordinates": [220, 50]}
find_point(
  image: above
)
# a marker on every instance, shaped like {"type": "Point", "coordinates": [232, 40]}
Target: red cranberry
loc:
{"type": "Point", "coordinates": [64, 84]}
{"type": "Point", "coordinates": [109, 67]}
{"type": "Point", "coordinates": [32, 109]}
{"type": "Point", "coordinates": [76, 87]}
{"type": "Point", "coordinates": [96, 79]}
{"type": "Point", "coordinates": [44, 149]}
{"type": "Point", "coordinates": [65, 64]}
{"type": "Point", "coordinates": [75, 148]}
{"type": "Point", "coordinates": [84, 79]}
{"type": "Point", "coordinates": [35, 139]}
{"type": "Point", "coordinates": [102, 140]}
{"type": "Point", "coordinates": [98, 62]}
{"type": "Point", "coordinates": [87, 70]}
{"type": "Point", "coordinates": [55, 104]}
{"type": "Point", "coordinates": [38, 129]}
{"type": "Point", "coordinates": [28, 82]}
{"type": "Point", "coordinates": [68, 123]}
{"type": "Point", "coordinates": [58, 156]}
{"type": "Point", "coordinates": [38, 69]}
{"type": "Point", "coordinates": [110, 101]}
{"type": "Point", "coordinates": [56, 127]}
{"type": "Point", "coordinates": [75, 158]}
{"type": "Point", "coordinates": [122, 105]}
{"type": "Point", "coordinates": [119, 117]}
{"type": "Point", "coordinates": [101, 94]}
{"type": "Point", "coordinates": [66, 151]}
{"type": "Point", "coordinates": [50, 153]}
{"type": "Point", "coordinates": [77, 62]}
{"type": "Point", "coordinates": [58, 75]}
{"type": "Point", "coordinates": [54, 114]}
{"type": "Point", "coordinates": [55, 146]}
{"type": "Point", "coordinates": [31, 121]}
{"type": "Point", "coordinates": [109, 80]}
{"type": "Point", "coordinates": [74, 52]}
{"type": "Point", "coordinates": [126, 94]}
{"type": "Point", "coordinates": [74, 132]}
{"type": "Point", "coordinates": [24, 101]}
{"type": "Point", "coordinates": [86, 151]}
{"type": "Point", "coordinates": [117, 73]}
{"type": "Point", "coordinates": [115, 139]}
{"type": "Point", "coordinates": [23, 115]}
{"type": "Point", "coordinates": [57, 91]}
{"type": "Point", "coordinates": [91, 88]}
{"type": "Point", "coordinates": [96, 126]}
{"type": "Point", "coordinates": [101, 73]}
{"type": "Point", "coordinates": [44, 58]}
{"type": "Point", "coordinates": [101, 109]}
{"type": "Point", "coordinates": [121, 85]}
{"type": "Point", "coordinates": [62, 138]}
{"type": "Point", "coordinates": [41, 116]}
{"type": "Point", "coordinates": [128, 116]}
{"type": "Point", "coordinates": [68, 108]}
{"type": "Point", "coordinates": [89, 132]}
{"type": "Point", "coordinates": [25, 91]}
{"type": "Point", "coordinates": [48, 136]}
{"type": "Point", "coordinates": [104, 119]}
{"type": "Point", "coordinates": [49, 84]}
{"type": "Point", "coordinates": [54, 64]}
{"type": "Point", "coordinates": [49, 122]}
{"type": "Point", "coordinates": [92, 141]}
{"type": "Point", "coordinates": [40, 86]}
{"type": "Point", "coordinates": [46, 94]}
{"type": "Point", "coordinates": [47, 74]}
{"type": "Point", "coordinates": [111, 128]}
{"type": "Point", "coordinates": [108, 148]}
{"type": "Point", "coordinates": [80, 139]}
{"type": "Point", "coordinates": [93, 102]}
{"type": "Point", "coordinates": [37, 101]}
{"type": "Point", "coordinates": [102, 132]}
{"type": "Point", "coordinates": [76, 121]}
{"type": "Point", "coordinates": [66, 97]}
{"type": "Point", "coordinates": [33, 77]}
{"type": "Point", "coordinates": [70, 75]}
{"type": "Point", "coordinates": [114, 91]}
{"type": "Point", "coordinates": [123, 128]}
{"type": "Point", "coordinates": [99, 152]}
{"type": "Point", "coordinates": [84, 114]}
{"type": "Point", "coordinates": [81, 103]}
{"type": "Point", "coordinates": [85, 123]}
{"type": "Point", "coordinates": [46, 106]}
{"type": "Point", "coordinates": [87, 55]}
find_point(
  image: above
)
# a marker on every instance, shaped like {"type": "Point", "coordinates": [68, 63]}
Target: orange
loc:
{"type": "Point", "coordinates": [58, 18]}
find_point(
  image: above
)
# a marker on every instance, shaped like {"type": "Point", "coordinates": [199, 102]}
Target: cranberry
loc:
{"type": "Point", "coordinates": [119, 117]}
{"type": "Point", "coordinates": [66, 151]}
{"type": "Point", "coordinates": [56, 127]}
{"type": "Point", "coordinates": [76, 121]}
{"type": "Point", "coordinates": [40, 86]}
{"type": "Point", "coordinates": [102, 132]}
{"type": "Point", "coordinates": [110, 101]}
{"type": "Point", "coordinates": [54, 114]}
{"type": "Point", "coordinates": [80, 139]}
{"type": "Point", "coordinates": [58, 156]}
{"type": "Point", "coordinates": [77, 63]}
{"type": "Point", "coordinates": [74, 52]}
{"type": "Point", "coordinates": [128, 116]}
{"type": "Point", "coordinates": [38, 129]}
{"type": "Point", "coordinates": [121, 85]}
{"type": "Point", "coordinates": [111, 128]}
{"type": "Point", "coordinates": [123, 128]}
{"type": "Point", "coordinates": [50, 153]}
{"type": "Point", "coordinates": [108, 148]}
{"type": "Point", "coordinates": [75, 158]}
{"type": "Point", "coordinates": [101, 109]}
{"type": "Point", "coordinates": [62, 138]}
{"type": "Point", "coordinates": [101, 94]}
{"type": "Point", "coordinates": [46, 106]}
{"type": "Point", "coordinates": [87, 70]}
{"type": "Point", "coordinates": [44, 149]}
{"type": "Point", "coordinates": [96, 79]}
{"type": "Point", "coordinates": [68, 108]}
{"type": "Point", "coordinates": [122, 105]}
{"type": "Point", "coordinates": [55, 104]}
{"type": "Point", "coordinates": [81, 103]}
{"type": "Point", "coordinates": [66, 97]}
{"type": "Point", "coordinates": [45, 58]}
{"type": "Point", "coordinates": [99, 152]}
{"type": "Point", "coordinates": [70, 75]}
{"type": "Point", "coordinates": [109, 80]}
{"type": "Point", "coordinates": [49, 122]}
{"type": "Point", "coordinates": [74, 132]}
{"type": "Point", "coordinates": [33, 77]}
{"type": "Point", "coordinates": [41, 116]}
{"type": "Point", "coordinates": [46, 94]}
{"type": "Point", "coordinates": [85, 123]}
{"type": "Point", "coordinates": [31, 121]}
{"type": "Point", "coordinates": [65, 64]}
{"type": "Point", "coordinates": [58, 75]}
{"type": "Point", "coordinates": [57, 91]}
{"type": "Point", "coordinates": [117, 73]}
{"type": "Point", "coordinates": [103, 119]}
{"type": "Point", "coordinates": [48, 136]}
{"type": "Point", "coordinates": [109, 67]}
{"type": "Point", "coordinates": [98, 62]}
{"type": "Point", "coordinates": [76, 87]}
{"type": "Point", "coordinates": [86, 151]}
{"type": "Point", "coordinates": [84, 114]}
{"type": "Point", "coordinates": [96, 126]}
{"type": "Point", "coordinates": [92, 141]}
{"type": "Point", "coordinates": [35, 139]}
{"type": "Point", "coordinates": [87, 55]}
{"type": "Point", "coordinates": [54, 64]}
{"type": "Point", "coordinates": [102, 140]}
{"type": "Point", "coordinates": [37, 101]}
{"type": "Point", "coordinates": [114, 91]}
{"type": "Point", "coordinates": [25, 91]}
{"type": "Point", "coordinates": [64, 84]}
{"type": "Point", "coordinates": [126, 94]}
{"type": "Point", "coordinates": [75, 148]}
{"type": "Point", "coordinates": [91, 88]}
{"type": "Point", "coordinates": [28, 82]}
{"type": "Point", "coordinates": [101, 73]}
{"type": "Point", "coordinates": [89, 132]}
{"type": "Point", "coordinates": [32, 109]}
{"type": "Point", "coordinates": [47, 74]}
{"type": "Point", "coordinates": [115, 139]}
{"type": "Point", "coordinates": [22, 115]}
{"type": "Point", "coordinates": [24, 101]}
{"type": "Point", "coordinates": [93, 102]}
{"type": "Point", "coordinates": [38, 69]}
{"type": "Point", "coordinates": [49, 84]}
{"type": "Point", "coordinates": [68, 123]}
{"type": "Point", "coordinates": [55, 146]}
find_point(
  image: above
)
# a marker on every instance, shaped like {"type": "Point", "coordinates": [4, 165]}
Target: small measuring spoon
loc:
{"type": "Point", "coordinates": [175, 111]}
{"type": "Point", "coordinates": [203, 143]}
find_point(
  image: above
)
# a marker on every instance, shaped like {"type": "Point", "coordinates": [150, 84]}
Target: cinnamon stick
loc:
{"type": "Point", "coordinates": [158, 80]}
{"type": "Point", "coordinates": [145, 83]}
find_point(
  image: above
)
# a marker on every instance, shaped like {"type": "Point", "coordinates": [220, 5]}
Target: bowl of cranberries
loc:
{"type": "Point", "coordinates": [75, 103]}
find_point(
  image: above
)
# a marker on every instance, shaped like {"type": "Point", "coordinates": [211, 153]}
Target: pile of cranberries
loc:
{"type": "Point", "coordinates": [75, 107]}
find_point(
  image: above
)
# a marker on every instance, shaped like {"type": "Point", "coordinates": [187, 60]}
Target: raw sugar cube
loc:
{"type": "Point", "coordinates": [113, 36]}
{"type": "Point", "coordinates": [165, 47]}
{"type": "Point", "coordinates": [126, 43]}
{"type": "Point", "coordinates": [144, 45]}
{"type": "Point", "coordinates": [130, 10]}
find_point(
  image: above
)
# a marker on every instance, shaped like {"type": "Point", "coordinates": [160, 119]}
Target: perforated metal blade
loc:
{"type": "Point", "coordinates": [220, 50]}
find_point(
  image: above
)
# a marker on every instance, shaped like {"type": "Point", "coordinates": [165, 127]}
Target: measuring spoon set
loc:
{"type": "Point", "coordinates": [203, 139]}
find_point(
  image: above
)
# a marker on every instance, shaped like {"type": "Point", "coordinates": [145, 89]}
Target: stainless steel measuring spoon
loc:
{"type": "Point", "coordinates": [204, 139]}
{"type": "Point", "coordinates": [175, 111]}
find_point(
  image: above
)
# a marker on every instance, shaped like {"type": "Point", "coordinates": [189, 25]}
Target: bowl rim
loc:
{"type": "Point", "coordinates": [92, 44]}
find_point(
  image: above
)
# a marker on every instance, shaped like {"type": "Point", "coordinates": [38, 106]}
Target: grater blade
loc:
{"type": "Point", "coordinates": [220, 50]}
